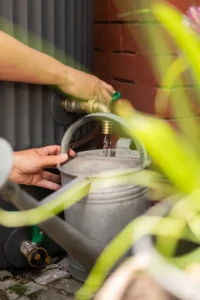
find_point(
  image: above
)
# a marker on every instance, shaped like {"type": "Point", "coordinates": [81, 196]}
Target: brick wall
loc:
{"type": "Point", "coordinates": [119, 60]}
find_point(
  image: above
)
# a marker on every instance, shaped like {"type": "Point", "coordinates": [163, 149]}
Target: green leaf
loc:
{"type": "Point", "coordinates": [168, 150]}
{"type": "Point", "coordinates": [183, 35]}
{"type": "Point", "coordinates": [45, 211]}
{"type": "Point", "coordinates": [121, 244]}
{"type": "Point", "coordinates": [186, 260]}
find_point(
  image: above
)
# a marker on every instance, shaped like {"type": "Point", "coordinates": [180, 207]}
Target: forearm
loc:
{"type": "Point", "coordinates": [21, 63]}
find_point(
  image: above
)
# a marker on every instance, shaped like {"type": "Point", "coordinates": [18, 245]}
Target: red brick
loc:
{"type": "Point", "coordinates": [177, 95]}
{"type": "Point", "coordinates": [147, 16]}
{"type": "Point", "coordinates": [102, 10]}
{"type": "Point", "coordinates": [174, 122]}
{"type": "Point", "coordinates": [194, 95]}
{"type": "Point", "coordinates": [108, 37]}
{"type": "Point", "coordinates": [117, 85]}
{"type": "Point", "coordinates": [185, 79]}
{"type": "Point", "coordinates": [152, 68]}
{"type": "Point", "coordinates": [128, 91]}
{"type": "Point", "coordinates": [132, 68]}
{"type": "Point", "coordinates": [137, 37]}
{"type": "Point", "coordinates": [101, 36]}
{"type": "Point", "coordinates": [149, 69]}
{"type": "Point", "coordinates": [144, 98]}
{"type": "Point", "coordinates": [121, 7]}
{"type": "Point", "coordinates": [145, 71]}
{"type": "Point", "coordinates": [161, 64]}
{"type": "Point", "coordinates": [130, 36]}
{"type": "Point", "coordinates": [141, 69]}
{"type": "Point", "coordinates": [127, 9]}
{"type": "Point", "coordinates": [115, 33]}
{"type": "Point", "coordinates": [182, 4]}
{"type": "Point", "coordinates": [140, 96]}
{"type": "Point", "coordinates": [137, 95]}
{"type": "Point", "coordinates": [122, 66]}
{"type": "Point", "coordinates": [101, 62]}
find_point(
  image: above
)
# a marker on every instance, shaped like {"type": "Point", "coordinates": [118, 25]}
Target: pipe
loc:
{"type": "Point", "coordinates": [89, 107]}
{"type": "Point", "coordinates": [83, 249]}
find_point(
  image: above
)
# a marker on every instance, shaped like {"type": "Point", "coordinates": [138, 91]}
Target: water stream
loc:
{"type": "Point", "coordinates": [107, 144]}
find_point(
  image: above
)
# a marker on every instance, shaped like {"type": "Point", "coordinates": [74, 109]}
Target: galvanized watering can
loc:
{"type": "Point", "coordinates": [106, 210]}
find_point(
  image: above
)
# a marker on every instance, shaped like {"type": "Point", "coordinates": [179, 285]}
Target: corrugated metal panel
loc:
{"type": "Point", "coordinates": [25, 116]}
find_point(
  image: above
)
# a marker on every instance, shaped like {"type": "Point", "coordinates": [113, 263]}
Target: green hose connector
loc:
{"type": "Point", "coordinates": [37, 235]}
{"type": "Point", "coordinates": [116, 96]}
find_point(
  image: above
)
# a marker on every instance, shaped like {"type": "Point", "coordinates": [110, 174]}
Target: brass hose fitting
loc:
{"type": "Point", "coordinates": [89, 107]}
{"type": "Point", "coordinates": [35, 255]}
{"type": "Point", "coordinates": [106, 128]}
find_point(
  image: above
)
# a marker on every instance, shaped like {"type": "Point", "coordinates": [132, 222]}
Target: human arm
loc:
{"type": "Point", "coordinates": [21, 63]}
{"type": "Point", "coordinates": [30, 166]}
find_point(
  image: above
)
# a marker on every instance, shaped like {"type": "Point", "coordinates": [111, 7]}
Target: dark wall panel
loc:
{"type": "Point", "coordinates": [25, 112]}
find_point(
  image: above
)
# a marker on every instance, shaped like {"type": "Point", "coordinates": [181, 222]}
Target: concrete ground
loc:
{"type": "Point", "coordinates": [52, 283]}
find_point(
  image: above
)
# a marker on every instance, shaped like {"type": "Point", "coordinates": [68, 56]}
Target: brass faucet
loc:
{"type": "Point", "coordinates": [89, 107]}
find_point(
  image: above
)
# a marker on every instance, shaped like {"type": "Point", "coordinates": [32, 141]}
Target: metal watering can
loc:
{"type": "Point", "coordinates": [106, 210]}
{"type": "Point", "coordinates": [103, 212]}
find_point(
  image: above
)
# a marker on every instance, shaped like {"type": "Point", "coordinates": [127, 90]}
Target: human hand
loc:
{"type": "Point", "coordinates": [29, 167]}
{"type": "Point", "coordinates": [85, 86]}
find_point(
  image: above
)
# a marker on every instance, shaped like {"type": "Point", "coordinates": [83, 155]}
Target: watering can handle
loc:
{"type": "Point", "coordinates": [144, 159]}
{"type": "Point", "coordinates": [125, 143]}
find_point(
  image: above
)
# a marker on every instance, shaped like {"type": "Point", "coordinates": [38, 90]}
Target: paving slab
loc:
{"type": "Point", "coordinates": [70, 286]}
{"type": "Point", "coordinates": [4, 285]}
{"type": "Point", "coordinates": [5, 274]}
{"type": "Point", "coordinates": [52, 295]}
{"type": "Point", "coordinates": [52, 283]}
{"type": "Point", "coordinates": [50, 276]}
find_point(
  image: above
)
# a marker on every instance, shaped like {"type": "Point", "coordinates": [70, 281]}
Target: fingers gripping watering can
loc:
{"type": "Point", "coordinates": [105, 211]}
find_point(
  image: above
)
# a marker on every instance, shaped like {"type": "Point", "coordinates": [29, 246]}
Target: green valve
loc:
{"type": "Point", "coordinates": [37, 235]}
{"type": "Point", "coordinates": [116, 96]}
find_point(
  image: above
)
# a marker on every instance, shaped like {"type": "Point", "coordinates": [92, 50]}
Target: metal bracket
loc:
{"type": "Point", "coordinates": [60, 115]}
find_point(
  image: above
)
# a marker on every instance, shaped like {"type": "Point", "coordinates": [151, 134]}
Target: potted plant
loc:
{"type": "Point", "coordinates": [174, 271]}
